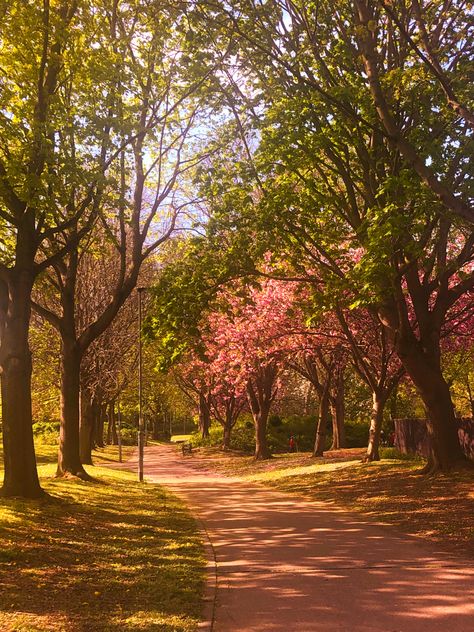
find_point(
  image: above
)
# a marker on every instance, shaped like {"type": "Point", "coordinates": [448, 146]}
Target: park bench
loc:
{"type": "Point", "coordinates": [186, 448]}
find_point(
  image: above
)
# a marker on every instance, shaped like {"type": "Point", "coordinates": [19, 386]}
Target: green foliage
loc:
{"type": "Point", "coordinates": [129, 435]}
{"type": "Point", "coordinates": [394, 454]}
{"type": "Point", "coordinates": [46, 432]}
{"type": "Point", "coordinates": [357, 434]}
{"type": "Point", "coordinates": [188, 286]}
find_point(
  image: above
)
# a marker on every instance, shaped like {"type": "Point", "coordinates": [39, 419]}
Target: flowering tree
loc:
{"type": "Point", "coordinates": [251, 341]}
{"type": "Point", "coordinates": [375, 361]}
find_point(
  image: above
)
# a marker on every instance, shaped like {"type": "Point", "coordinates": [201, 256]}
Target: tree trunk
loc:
{"type": "Point", "coordinates": [394, 403]}
{"type": "Point", "coordinates": [204, 416]}
{"type": "Point", "coordinates": [100, 425]}
{"type": "Point", "coordinates": [320, 440]}
{"type": "Point", "coordinates": [260, 400]}
{"type": "Point", "coordinates": [86, 428]}
{"type": "Point", "coordinates": [227, 432]}
{"type": "Point", "coordinates": [112, 438]}
{"type": "Point", "coordinates": [376, 420]}
{"type": "Point", "coordinates": [156, 428]}
{"type": "Point", "coordinates": [21, 476]}
{"type": "Point", "coordinates": [338, 414]}
{"type": "Point", "coordinates": [425, 372]}
{"type": "Point", "coordinates": [262, 451]}
{"type": "Point", "coordinates": [69, 461]}
{"type": "Point", "coordinates": [470, 397]}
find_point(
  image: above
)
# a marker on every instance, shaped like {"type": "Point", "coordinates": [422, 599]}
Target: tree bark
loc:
{"type": "Point", "coordinates": [262, 451]}
{"type": "Point", "coordinates": [321, 430]}
{"type": "Point", "coordinates": [69, 462]}
{"type": "Point", "coordinates": [86, 428]}
{"type": "Point", "coordinates": [376, 420]}
{"type": "Point", "coordinates": [260, 397]}
{"type": "Point", "coordinates": [21, 476]}
{"type": "Point", "coordinates": [423, 366]}
{"type": "Point", "coordinates": [112, 437]}
{"type": "Point", "coordinates": [338, 413]}
{"type": "Point", "coordinates": [226, 439]}
{"type": "Point", "coordinates": [204, 416]}
{"type": "Point", "coordinates": [100, 425]}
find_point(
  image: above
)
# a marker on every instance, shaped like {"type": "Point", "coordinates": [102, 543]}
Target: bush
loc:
{"type": "Point", "coordinates": [280, 429]}
{"type": "Point", "coordinates": [275, 421]}
{"type": "Point", "coordinates": [357, 434]}
{"type": "Point", "coordinates": [242, 437]}
{"type": "Point", "coordinates": [46, 432]}
{"type": "Point", "coordinates": [302, 427]}
{"type": "Point", "coordinates": [393, 453]}
{"type": "Point", "coordinates": [129, 435]}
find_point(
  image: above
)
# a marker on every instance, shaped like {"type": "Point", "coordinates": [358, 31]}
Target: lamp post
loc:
{"type": "Point", "coordinates": [141, 425]}
{"type": "Point", "coordinates": [119, 429]}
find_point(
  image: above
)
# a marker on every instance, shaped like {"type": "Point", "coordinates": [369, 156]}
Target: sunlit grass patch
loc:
{"type": "Point", "coordinates": [98, 556]}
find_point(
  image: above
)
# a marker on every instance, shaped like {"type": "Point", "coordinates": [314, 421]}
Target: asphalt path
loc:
{"type": "Point", "coordinates": [284, 564]}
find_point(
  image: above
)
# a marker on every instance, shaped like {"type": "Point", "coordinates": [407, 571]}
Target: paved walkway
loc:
{"type": "Point", "coordinates": [286, 565]}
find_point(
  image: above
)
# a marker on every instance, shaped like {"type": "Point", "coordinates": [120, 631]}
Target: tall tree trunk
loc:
{"type": "Point", "coordinates": [262, 451]}
{"type": "Point", "coordinates": [86, 428]}
{"type": "Point", "coordinates": [324, 414]}
{"type": "Point", "coordinates": [376, 420]}
{"type": "Point", "coordinates": [470, 397]}
{"type": "Point", "coordinates": [227, 433]}
{"type": "Point", "coordinates": [260, 400]}
{"type": "Point", "coordinates": [425, 372]}
{"type": "Point", "coordinates": [204, 416]}
{"type": "Point", "coordinates": [21, 476]}
{"type": "Point", "coordinates": [338, 413]}
{"type": "Point", "coordinates": [112, 437]}
{"type": "Point", "coordinates": [100, 425]}
{"type": "Point", "coordinates": [69, 461]}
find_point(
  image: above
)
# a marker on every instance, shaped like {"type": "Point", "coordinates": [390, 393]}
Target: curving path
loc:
{"type": "Point", "coordinates": [286, 565]}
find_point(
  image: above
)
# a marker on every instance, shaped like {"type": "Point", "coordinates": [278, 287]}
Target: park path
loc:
{"type": "Point", "coordinates": [287, 565]}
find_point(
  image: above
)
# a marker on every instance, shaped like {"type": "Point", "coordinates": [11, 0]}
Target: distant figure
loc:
{"type": "Point", "coordinates": [292, 444]}
{"type": "Point", "coordinates": [391, 439]}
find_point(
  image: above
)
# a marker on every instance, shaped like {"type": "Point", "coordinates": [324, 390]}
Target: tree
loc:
{"type": "Point", "coordinates": [439, 36]}
{"type": "Point", "coordinates": [376, 363]}
{"type": "Point", "coordinates": [375, 202]}
{"type": "Point", "coordinates": [43, 187]}
{"type": "Point", "coordinates": [251, 338]}
{"type": "Point", "coordinates": [154, 109]}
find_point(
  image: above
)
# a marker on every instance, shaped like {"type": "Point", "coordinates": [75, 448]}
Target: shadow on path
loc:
{"type": "Point", "coordinates": [284, 564]}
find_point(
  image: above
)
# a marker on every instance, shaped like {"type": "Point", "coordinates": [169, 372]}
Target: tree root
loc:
{"type": "Point", "coordinates": [433, 468]}
{"type": "Point", "coordinates": [81, 475]}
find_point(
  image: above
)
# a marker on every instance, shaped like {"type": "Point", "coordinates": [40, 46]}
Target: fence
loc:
{"type": "Point", "coordinates": [411, 436]}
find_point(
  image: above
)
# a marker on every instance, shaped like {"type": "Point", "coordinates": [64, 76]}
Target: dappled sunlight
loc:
{"type": "Point", "coordinates": [97, 556]}
{"type": "Point", "coordinates": [320, 567]}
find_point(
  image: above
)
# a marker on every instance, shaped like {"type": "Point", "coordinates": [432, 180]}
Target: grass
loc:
{"type": "Point", "coordinates": [180, 438]}
{"type": "Point", "coordinates": [110, 555]}
{"type": "Point", "coordinates": [439, 509]}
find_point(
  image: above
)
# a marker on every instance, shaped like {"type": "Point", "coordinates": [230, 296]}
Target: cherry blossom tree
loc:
{"type": "Point", "coordinates": [251, 338]}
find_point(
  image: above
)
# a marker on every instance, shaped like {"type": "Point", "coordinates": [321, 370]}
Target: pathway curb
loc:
{"type": "Point", "coordinates": [209, 595]}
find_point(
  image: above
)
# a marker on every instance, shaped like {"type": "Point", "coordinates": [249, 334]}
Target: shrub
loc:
{"type": "Point", "coordinates": [129, 435]}
{"type": "Point", "coordinates": [357, 434]}
{"type": "Point", "coordinates": [46, 432]}
{"type": "Point", "coordinates": [393, 453]}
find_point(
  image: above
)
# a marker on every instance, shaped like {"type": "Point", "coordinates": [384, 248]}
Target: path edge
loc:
{"type": "Point", "coordinates": [209, 596]}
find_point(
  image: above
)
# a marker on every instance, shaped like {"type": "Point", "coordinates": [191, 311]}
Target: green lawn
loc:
{"type": "Point", "coordinates": [110, 555]}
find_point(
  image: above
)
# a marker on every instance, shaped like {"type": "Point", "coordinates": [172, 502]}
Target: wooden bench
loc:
{"type": "Point", "coordinates": [186, 448]}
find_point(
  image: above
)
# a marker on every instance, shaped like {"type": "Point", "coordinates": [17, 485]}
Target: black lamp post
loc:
{"type": "Point", "coordinates": [141, 424]}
